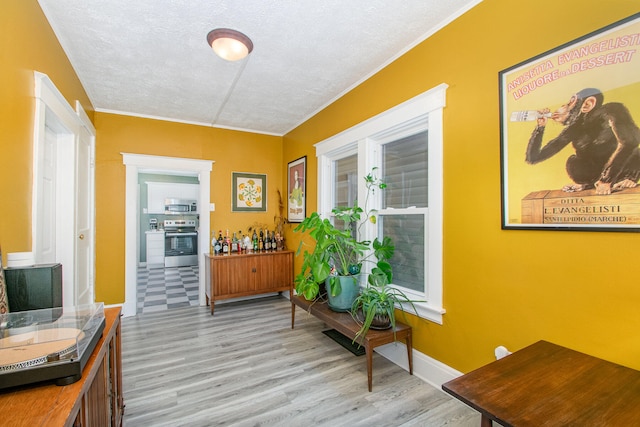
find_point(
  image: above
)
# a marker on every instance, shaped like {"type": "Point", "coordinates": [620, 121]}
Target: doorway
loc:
{"type": "Point", "coordinates": [135, 164]}
{"type": "Point", "coordinates": [168, 258]}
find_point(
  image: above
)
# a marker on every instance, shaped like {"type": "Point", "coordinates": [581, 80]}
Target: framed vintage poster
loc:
{"type": "Point", "coordinates": [296, 190]}
{"type": "Point", "coordinates": [249, 192]}
{"type": "Point", "coordinates": [569, 137]}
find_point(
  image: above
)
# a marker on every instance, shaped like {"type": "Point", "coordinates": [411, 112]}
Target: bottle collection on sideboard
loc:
{"type": "Point", "coordinates": [261, 240]}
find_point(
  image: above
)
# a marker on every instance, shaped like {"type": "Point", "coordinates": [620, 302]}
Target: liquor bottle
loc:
{"type": "Point", "coordinates": [267, 241]}
{"type": "Point", "coordinates": [218, 247]}
{"type": "Point", "coordinates": [272, 241]}
{"type": "Point", "coordinates": [255, 241]}
{"type": "Point", "coordinates": [225, 244]}
{"type": "Point", "coordinates": [261, 241]}
{"type": "Point", "coordinates": [234, 243]}
{"type": "Point", "coordinates": [528, 116]}
{"type": "Point", "coordinates": [213, 243]}
{"type": "Point", "coordinates": [248, 245]}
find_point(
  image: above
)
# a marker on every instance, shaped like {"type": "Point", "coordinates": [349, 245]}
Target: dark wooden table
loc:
{"type": "Point", "coordinates": [549, 385]}
{"type": "Point", "coordinates": [344, 323]}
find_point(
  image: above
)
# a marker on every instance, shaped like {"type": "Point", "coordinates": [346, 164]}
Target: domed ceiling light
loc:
{"type": "Point", "coordinates": [229, 44]}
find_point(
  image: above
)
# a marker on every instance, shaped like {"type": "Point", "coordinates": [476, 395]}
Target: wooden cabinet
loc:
{"type": "Point", "coordinates": [93, 401]}
{"type": "Point", "coordinates": [241, 275]}
{"type": "Point", "coordinates": [102, 404]}
{"type": "Point", "coordinates": [155, 249]}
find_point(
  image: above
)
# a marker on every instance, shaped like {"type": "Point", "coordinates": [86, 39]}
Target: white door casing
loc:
{"type": "Point", "coordinates": [136, 163]}
{"type": "Point", "coordinates": [56, 155]}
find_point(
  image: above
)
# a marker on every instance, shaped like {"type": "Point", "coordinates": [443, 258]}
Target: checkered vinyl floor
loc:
{"type": "Point", "coordinates": [164, 288]}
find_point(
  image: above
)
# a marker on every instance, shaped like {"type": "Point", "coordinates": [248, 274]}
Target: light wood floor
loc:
{"type": "Point", "coordinates": [246, 367]}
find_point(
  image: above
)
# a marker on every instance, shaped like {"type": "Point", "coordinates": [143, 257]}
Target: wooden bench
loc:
{"type": "Point", "coordinates": [344, 323]}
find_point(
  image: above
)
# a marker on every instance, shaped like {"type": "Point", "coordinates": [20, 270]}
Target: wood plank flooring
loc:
{"type": "Point", "coordinates": [246, 367]}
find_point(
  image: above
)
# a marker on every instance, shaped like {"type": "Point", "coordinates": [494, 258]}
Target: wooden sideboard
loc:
{"type": "Point", "coordinates": [241, 275]}
{"type": "Point", "coordinates": [93, 401]}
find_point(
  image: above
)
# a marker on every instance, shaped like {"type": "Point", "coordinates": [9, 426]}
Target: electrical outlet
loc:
{"type": "Point", "coordinates": [501, 352]}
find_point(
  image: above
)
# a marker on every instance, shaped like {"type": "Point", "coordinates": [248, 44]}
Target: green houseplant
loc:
{"type": "Point", "coordinates": [337, 252]}
{"type": "Point", "coordinates": [375, 306]}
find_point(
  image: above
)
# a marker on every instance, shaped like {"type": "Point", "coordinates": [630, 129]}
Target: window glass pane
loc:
{"type": "Point", "coordinates": [407, 234]}
{"type": "Point", "coordinates": [405, 172]}
{"type": "Point", "coordinates": [346, 183]}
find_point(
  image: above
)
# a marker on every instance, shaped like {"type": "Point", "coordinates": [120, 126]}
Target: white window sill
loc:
{"type": "Point", "coordinates": [426, 311]}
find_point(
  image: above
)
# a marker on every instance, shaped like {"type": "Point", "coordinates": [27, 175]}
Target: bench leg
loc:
{"type": "Point", "coordinates": [369, 353]}
{"type": "Point", "coordinates": [293, 313]}
{"type": "Point", "coordinates": [409, 342]}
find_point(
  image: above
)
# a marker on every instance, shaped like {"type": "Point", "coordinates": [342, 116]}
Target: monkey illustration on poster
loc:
{"type": "Point", "coordinates": [605, 139]}
{"type": "Point", "coordinates": [570, 144]}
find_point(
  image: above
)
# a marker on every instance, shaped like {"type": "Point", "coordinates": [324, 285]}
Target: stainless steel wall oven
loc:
{"type": "Point", "coordinates": [180, 243]}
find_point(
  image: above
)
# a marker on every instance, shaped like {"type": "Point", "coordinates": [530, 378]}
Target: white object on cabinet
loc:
{"type": "Point", "coordinates": [157, 192]}
{"type": "Point", "coordinates": [155, 249]}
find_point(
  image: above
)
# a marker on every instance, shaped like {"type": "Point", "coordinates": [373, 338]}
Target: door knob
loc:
{"type": "Point", "coordinates": [81, 237]}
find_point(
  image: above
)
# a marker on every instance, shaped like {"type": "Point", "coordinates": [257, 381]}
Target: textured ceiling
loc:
{"type": "Point", "coordinates": [150, 58]}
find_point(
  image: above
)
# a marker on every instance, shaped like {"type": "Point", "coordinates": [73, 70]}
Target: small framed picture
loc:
{"type": "Point", "coordinates": [249, 192]}
{"type": "Point", "coordinates": [296, 190]}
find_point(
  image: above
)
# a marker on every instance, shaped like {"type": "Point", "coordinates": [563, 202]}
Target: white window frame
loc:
{"type": "Point", "coordinates": [365, 139]}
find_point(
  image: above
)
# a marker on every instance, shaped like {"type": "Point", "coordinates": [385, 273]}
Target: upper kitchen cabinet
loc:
{"type": "Point", "coordinates": [157, 192]}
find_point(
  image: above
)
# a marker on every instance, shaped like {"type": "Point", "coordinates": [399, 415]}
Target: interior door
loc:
{"type": "Point", "coordinates": [45, 244]}
{"type": "Point", "coordinates": [84, 220]}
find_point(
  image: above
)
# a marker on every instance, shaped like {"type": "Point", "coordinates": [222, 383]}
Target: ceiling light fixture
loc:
{"type": "Point", "coordinates": [229, 44]}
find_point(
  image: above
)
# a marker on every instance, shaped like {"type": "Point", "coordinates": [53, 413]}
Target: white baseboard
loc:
{"type": "Point", "coordinates": [426, 368]}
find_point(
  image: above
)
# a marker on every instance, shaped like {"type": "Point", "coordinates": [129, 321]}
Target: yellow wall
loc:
{"type": "Point", "coordinates": [232, 151]}
{"type": "Point", "coordinates": [500, 287]}
{"type": "Point", "coordinates": [507, 287]}
{"type": "Point", "coordinates": [27, 43]}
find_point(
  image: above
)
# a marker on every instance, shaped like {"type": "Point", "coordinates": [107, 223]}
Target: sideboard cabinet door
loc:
{"type": "Point", "coordinates": [231, 276]}
{"type": "Point", "coordinates": [274, 271]}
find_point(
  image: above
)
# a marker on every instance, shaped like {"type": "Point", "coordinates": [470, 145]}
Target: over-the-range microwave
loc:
{"type": "Point", "coordinates": [180, 206]}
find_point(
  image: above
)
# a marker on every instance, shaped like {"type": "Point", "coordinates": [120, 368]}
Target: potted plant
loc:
{"type": "Point", "coordinates": [338, 254]}
{"type": "Point", "coordinates": [375, 306]}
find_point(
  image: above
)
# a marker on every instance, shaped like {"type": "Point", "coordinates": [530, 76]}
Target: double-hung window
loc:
{"type": "Point", "coordinates": [403, 147]}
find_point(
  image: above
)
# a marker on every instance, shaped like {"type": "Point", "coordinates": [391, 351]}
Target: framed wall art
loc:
{"type": "Point", "coordinates": [296, 190]}
{"type": "Point", "coordinates": [570, 156]}
{"type": "Point", "coordinates": [249, 192]}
